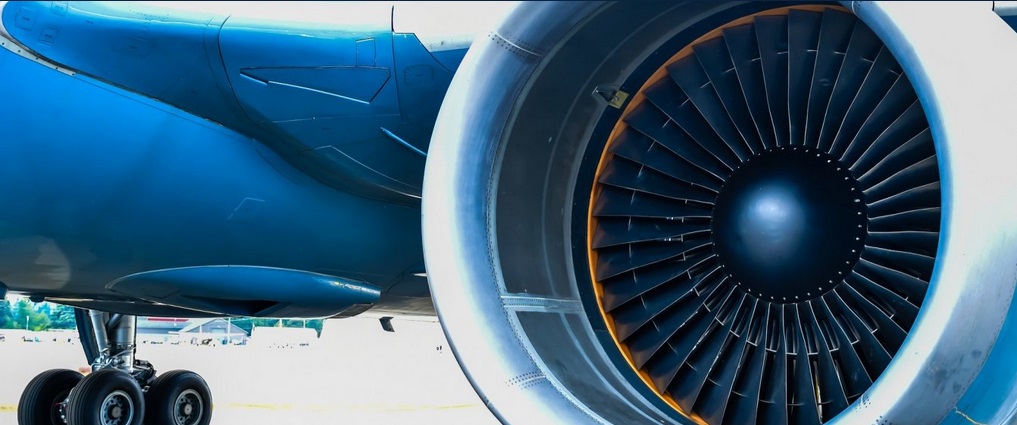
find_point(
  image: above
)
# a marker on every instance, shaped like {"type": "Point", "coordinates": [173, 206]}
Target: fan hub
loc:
{"type": "Point", "coordinates": [789, 224]}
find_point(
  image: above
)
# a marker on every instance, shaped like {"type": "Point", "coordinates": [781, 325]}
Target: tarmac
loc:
{"type": "Point", "coordinates": [354, 374]}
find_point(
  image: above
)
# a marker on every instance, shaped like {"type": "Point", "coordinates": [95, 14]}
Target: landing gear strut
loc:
{"type": "Point", "coordinates": [121, 390]}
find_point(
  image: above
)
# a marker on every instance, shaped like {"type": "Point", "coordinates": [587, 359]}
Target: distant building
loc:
{"type": "Point", "coordinates": [159, 330]}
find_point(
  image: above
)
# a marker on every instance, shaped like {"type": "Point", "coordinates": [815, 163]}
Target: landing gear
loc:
{"type": "Point", "coordinates": [121, 388]}
{"type": "Point", "coordinates": [179, 397]}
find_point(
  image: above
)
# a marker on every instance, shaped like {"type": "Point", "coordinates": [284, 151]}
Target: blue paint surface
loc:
{"type": "Point", "coordinates": [190, 139]}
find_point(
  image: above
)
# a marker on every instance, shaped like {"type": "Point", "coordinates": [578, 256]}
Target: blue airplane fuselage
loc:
{"type": "Point", "coordinates": [135, 143]}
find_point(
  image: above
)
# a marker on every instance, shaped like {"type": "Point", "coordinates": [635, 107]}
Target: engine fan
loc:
{"type": "Point", "coordinates": [766, 218]}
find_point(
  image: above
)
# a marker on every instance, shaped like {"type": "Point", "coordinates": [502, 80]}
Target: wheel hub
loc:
{"type": "Point", "coordinates": [781, 207]}
{"type": "Point", "coordinates": [59, 408]}
{"type": "Point", "coordinates": [189, 408]}
{"type": "Point", "coordinates": [117, 409]}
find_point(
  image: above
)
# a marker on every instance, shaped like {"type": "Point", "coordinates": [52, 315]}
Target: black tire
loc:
{"type": "Point", "coordinates": [40, 401]}
{"type": "Point", "coordinates": [106, 397]}
{"type": "Point", "coordinates": [179, 397]}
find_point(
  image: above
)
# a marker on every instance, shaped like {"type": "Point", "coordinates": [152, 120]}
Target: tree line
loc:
{"type": "Point", "coordinates": [24, 314]}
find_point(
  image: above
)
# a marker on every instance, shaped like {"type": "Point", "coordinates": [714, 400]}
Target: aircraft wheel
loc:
{"type": "Point", "coordinates": [40, 402]}
{"type": "Point", "coordinates": [106, 397]}
{"type": "Point", "coordinates": [179, 397]}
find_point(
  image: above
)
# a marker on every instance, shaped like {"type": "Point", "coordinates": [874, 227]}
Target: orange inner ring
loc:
{"type": "Point", "coordinates": [606, 156]}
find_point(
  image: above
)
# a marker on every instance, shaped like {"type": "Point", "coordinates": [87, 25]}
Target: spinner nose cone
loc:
{"type": "Point", "coordinates": [787, 223]}
{"type": "Point", "coordinates": [771, 222]}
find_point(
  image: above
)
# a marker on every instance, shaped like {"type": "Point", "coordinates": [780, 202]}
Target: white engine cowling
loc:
{"type": "Point", "coordinates": [731, 212]}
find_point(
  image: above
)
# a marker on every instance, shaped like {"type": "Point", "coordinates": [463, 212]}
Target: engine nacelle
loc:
{"type": "Point", "coordinates": [728, 212]}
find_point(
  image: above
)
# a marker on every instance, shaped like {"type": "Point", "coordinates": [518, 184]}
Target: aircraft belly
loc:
{"type": "Point", "coordinates": [101, 183]}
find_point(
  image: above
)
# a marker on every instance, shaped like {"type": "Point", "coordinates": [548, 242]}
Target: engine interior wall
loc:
{"type": "Point", "coordinates": [545, 148]}
{"type": "Point", "coordinates": [590, 376]}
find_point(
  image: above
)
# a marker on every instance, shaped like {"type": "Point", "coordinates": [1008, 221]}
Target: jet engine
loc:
{"type": "Point", "coordinates": [731, 213]}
